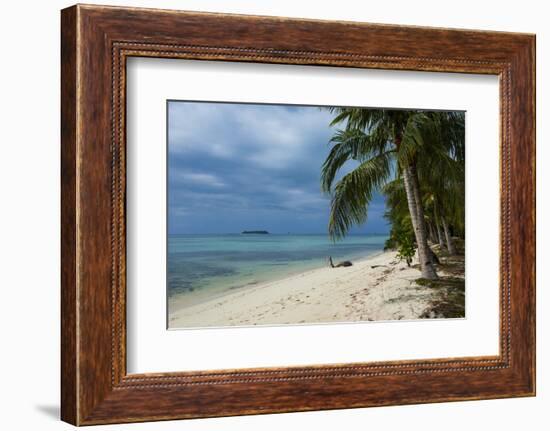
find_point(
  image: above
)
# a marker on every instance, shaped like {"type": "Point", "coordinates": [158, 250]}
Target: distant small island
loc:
{"type": "Point", "coordinates": [262, 232]}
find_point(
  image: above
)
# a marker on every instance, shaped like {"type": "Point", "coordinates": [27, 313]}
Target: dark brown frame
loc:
{"type": "Point", "coordinates": [96, 41]}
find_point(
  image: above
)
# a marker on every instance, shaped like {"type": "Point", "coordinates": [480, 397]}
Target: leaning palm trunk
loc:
{"type": "Point", "coordinates": [433, 233]}
{"type": "Point", "coordinates": [430, 257]}
{"type": "Point", "coordinates": [440, 236]}
{"type": "Point", "coordinates": [450, 244]}
{"type": "Point", "coordinates": [419, 225]}
{"type": "Point", "coordinates": [438, 227]}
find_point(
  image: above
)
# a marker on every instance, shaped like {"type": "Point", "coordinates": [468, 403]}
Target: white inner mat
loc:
{"type": "Point", "coordinates": [153, 348]}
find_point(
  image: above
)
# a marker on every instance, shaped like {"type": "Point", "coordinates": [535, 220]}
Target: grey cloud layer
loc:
{"type": "Point", "coordinates": [238, 166]}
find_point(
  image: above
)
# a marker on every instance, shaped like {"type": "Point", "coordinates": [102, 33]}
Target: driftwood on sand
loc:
{"type": "Point", "coordinates": [339, 264]}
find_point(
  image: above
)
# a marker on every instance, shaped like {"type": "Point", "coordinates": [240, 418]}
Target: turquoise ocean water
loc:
{"type": "Point", "coordinates": [204, 266]}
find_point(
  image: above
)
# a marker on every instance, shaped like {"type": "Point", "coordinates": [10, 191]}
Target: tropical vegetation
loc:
{"type": "Point", "coordinates": [416, 160]}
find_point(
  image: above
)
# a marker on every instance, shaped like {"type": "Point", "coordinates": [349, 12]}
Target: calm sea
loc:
{"type": "Point", "coordinates": [200, 266]}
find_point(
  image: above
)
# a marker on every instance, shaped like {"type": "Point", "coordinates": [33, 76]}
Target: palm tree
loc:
{"type": "Point", "coordinates": [384, 142]}
{"type": "Point", "coordinates": [399, 216]}
{"type": "Point", "coordinates": [402, 237]}
{"type": "Point", "coordinates": [441, 171]}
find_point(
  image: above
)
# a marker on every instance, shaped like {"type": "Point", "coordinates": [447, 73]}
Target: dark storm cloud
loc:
{"type": "Point", "coordinates": [235, 166]}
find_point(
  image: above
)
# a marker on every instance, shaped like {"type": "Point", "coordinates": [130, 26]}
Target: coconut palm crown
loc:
{"type": "Point", "coordinates": [387, 145]}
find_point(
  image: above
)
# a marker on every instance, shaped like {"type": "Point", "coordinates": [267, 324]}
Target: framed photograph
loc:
{"type": "Point", "coordinates": [264, 214]}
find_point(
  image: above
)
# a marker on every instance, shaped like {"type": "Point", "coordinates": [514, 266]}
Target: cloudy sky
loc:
{"type": "Point", "coordinates": [235, 167]}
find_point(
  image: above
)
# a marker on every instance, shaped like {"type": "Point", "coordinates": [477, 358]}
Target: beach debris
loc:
{"type": "Point", "coordinates": [339, 264]}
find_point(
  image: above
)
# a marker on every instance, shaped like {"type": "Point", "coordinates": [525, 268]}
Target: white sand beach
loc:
{"type": "Point", "coordinates": [376, 288]}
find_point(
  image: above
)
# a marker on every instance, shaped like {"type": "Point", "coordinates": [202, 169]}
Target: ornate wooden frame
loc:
{"type": "Point", "coordinates": [96, 41]}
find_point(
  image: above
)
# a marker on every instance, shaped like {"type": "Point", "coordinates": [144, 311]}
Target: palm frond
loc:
{"type": "Point", "coordinates": [353, 193]}
{"type": "Point", "coordinates": [349, 145]}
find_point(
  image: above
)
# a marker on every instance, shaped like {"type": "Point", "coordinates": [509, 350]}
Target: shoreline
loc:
{"type": "Point", "coordinates": [321, 295]}
{"type": "Point", "coordinates": [197, 297]}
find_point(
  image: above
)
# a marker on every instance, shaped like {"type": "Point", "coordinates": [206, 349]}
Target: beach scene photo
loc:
{"type": "Point", "coordinates": [300, 215]}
